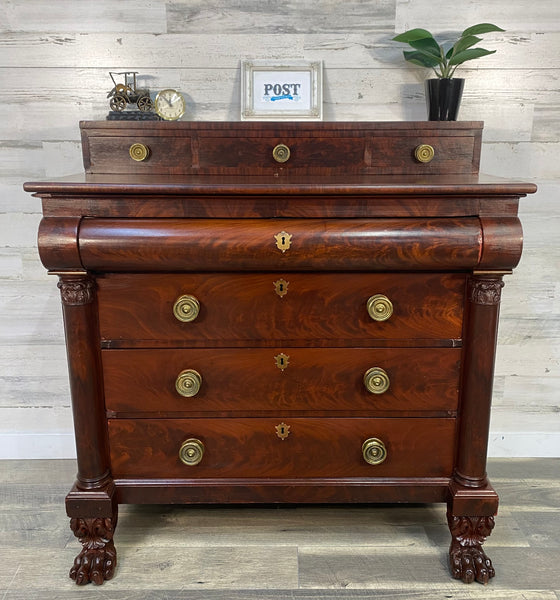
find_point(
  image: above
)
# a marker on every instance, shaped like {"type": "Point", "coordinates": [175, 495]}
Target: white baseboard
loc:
{"type": "Point", "coordinates": [37, 445]}
{"type": "Point", "coordinates": [524, 444]}
{"type": "Point", "coordinates": [62, 445]}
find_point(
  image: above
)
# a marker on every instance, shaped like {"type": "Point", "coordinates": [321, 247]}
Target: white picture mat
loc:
{"type": "Point", "coordinates": [290, 89]}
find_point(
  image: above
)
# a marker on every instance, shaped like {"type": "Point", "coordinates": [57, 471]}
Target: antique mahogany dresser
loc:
{"type": "Point", "coordinates": [280, 313]}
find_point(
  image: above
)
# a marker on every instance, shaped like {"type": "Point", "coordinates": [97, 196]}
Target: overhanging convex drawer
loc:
{"type": "Point", "coordinates": [280, 244]}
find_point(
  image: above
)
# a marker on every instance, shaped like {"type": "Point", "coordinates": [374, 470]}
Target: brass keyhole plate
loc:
{"type": "Point", "coordinates": [283, 240]}
{"type": "Point", "coordinates": [282, 361]}
{"type": "Point", "coordinates": [281, 287]}
{"type": "Point", "coordinates": [282, 431]}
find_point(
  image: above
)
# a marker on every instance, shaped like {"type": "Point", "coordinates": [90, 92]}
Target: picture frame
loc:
{"type": "Point", "coordinates": [275, 91]}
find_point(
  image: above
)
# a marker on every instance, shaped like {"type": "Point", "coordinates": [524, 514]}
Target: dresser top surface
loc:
{"type": "Point", "coordinates": [376, 185]}
{"type": "Point", "coordinates": [355, 127]}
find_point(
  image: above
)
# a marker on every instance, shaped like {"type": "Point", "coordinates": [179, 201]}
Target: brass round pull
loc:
{"type": "Point", "coordinates": [139, 152]}
{"type": "Point", "coordinates": [281, 153]}
{"type": "Point", "coordinates": [374, 451]}
{"type": "Point", "coordinates": [188, 383]}
{"type": "Point", "coordinates": [186, 308]}
{"type": "Point", "coordinates": [379, 307]}
{"type": "Point", "coordinates": [376, 380]}
{"type": "Point", "coordinates": [191, 452]}
{"type": "Point", "coordinates": [424, 153]}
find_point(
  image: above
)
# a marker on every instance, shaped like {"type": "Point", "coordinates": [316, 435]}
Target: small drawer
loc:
{"type": "Point", "coordinates": [264, 380]}
{"type": "Point", "coordinates": [114, 154]}
{"type": "Point", "coordinates": [273, 307]}
{"type": "Point", "coordinates": [422, 154]}
{"type": "Point", "coordinates": [281, 448]}
{"type": "Point", "coordinates": [261, 154]}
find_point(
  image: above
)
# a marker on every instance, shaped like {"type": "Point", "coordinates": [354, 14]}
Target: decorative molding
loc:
{"type": "Point", "coordinates": [467, 559]}
{"type": "Point", "coordinates": [76, 291]}
{"type": "Point", "coordinates": [98, 559]}
{"type": "Point", "coordinates": [485, 291]}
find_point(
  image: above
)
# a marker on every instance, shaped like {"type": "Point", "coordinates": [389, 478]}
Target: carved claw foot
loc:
{"type": "Point", "coordinates": [467, 558]}
{"type": "Point", "coordinates": [98, 558]}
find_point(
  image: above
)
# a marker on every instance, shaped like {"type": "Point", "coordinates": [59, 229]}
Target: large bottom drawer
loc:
{"type": "Point", "coordinates": [289, 448]}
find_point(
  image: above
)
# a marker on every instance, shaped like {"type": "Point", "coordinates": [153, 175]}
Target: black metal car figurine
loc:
{"type": "Point", "coordinates": [124, 94]}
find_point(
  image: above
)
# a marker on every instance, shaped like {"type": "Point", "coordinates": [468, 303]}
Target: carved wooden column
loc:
{"type": "Point", "coordinates": [483, 306]}
{"type": "Point", "coordinates": [77, 292]}
{"type": "Point", "coordinates": [473, 502]}
{"type": "Point", "coordinates": [91, 503]}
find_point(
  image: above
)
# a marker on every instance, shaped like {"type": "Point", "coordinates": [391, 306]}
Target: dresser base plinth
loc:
{"type": "Point", "coordinates": [470, 514]}
{"type": "Point", "coordinates": [281, 491]}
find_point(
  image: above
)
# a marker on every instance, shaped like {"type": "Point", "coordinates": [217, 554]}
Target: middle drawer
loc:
{"type": "Point", "coordinates": [291, 379]}
{"type": "Point", "coordinates": [142, 309]}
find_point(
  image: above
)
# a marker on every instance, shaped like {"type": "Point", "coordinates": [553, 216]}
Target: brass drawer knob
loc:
{"type": "Point", "coordinates": [424, 153]}
{"type": "Point", "coordinates": [281, 153]}
{"type": "Point", "coordinates": [379, 307]}
{"type": "Point", "coordinates": [374, 451]}
{"type": "Point", "coordinates": [186, 308]}
{"type": "Point", "coordinates": [188, 383]}
{"type": "Point", "coordinates": [139, 152]}
{"type": "Point", "coordinates": [376, 380]}
{"type": "Point", "coordinates": [191, 452]}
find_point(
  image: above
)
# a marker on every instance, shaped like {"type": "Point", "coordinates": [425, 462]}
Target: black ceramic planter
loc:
{"type": "Point", "coordinates": [443, 97]}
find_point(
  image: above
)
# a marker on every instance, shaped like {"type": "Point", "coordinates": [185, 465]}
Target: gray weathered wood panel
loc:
{"type": "Point", "coordinates": [54, 63]}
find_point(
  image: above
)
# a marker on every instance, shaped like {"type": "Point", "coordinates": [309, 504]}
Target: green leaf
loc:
{"type": "Point", "coordinates": [427, 46]}
{"type": "Point", "coordinates": [447, 48]}
{"type": "Point", "coordinates": [411, 35]}
{"type": "Point", "coordinates": [464, 43]}
{"type": "Point", "coordinates": [419, 58]}
{"type": "Point", "coordinates": [469, 55]}
{"type": "Point", "coordinates": [481, 28]}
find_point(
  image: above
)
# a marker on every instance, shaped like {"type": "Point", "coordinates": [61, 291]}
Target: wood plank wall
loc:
{"type": "Point", "coordinates": [54, 61]}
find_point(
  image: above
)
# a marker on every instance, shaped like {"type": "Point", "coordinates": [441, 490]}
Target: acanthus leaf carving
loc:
{"type": "Point", "coordinates": [76, 291]}
{"type": "Point", "coordinates": [485, 291]}
{"type": "Point", "coordinates": [98, 559]}
{"type": "Point", "coordinates": [467, 559]}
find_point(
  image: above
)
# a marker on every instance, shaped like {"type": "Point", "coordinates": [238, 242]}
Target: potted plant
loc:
{"type": "Point", "coordinates": [443, 94]}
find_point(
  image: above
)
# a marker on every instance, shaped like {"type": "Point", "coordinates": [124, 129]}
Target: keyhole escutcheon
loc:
{"type": "Point", "coordinates": [283, 240]}
{"type": "Point", "coordinates": [282, 361]}
{"type": "Point", "coordinates": [281, 287]}
{"type": "Point", "coordinates": [282, 431]}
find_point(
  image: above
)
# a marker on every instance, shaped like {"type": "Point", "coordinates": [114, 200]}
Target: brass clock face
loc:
{"type": "Point", "coordinates": [170, 105]}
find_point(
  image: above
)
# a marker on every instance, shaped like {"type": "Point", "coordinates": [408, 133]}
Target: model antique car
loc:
{"type": "Point", "coordinates": [126, 93]}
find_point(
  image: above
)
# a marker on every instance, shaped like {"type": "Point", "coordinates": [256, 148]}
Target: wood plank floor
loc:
{"type": "Point", "coordinates": [269, 553]}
